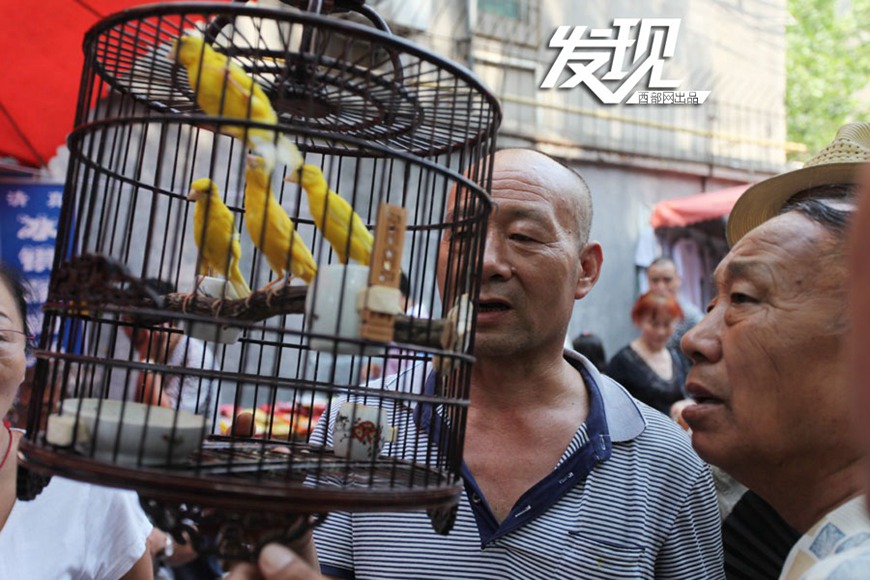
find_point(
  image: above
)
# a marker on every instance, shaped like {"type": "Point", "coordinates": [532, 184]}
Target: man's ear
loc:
{"type": "Point", "coordinates": [591, 258]}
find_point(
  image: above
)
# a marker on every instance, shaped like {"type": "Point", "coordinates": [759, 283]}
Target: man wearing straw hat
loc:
{"type": "Point", "coordinates": [770, 380]}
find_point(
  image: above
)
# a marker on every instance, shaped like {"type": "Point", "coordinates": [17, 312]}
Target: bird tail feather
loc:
{"type": "Point", "coordinates": [283, 150]}
{"type": "Point", "coordinates": [289, 154]}
{"type": "Point", "coordinates": [239, 285]}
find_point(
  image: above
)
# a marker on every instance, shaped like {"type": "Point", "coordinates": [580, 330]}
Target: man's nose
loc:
{"type": "Point", "coordinates": [702, 342]}
{"type": "Point", "coordinates": [496, 258]}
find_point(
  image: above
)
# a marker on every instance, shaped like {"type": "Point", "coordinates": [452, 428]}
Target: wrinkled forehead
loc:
{"type": "Point", "coordinates": [525, 184]}
{"type": "Point", "coordinates": [789, 243]}
{"type": "Point", "coordinates": [463, 203]}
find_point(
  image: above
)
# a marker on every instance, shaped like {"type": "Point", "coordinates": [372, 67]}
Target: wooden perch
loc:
{"type": "Point", "coordinates": [261, 304]}
{"type": "Point", "coordinates": [286, 299]}
{"type": "Point", "coordinates": [91, 281]}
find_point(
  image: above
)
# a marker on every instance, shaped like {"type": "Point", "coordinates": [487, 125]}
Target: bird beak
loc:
{"type": "Point", "coordinates": [173, 51]}
{"type": "Point", "coordinates": [193, 195]}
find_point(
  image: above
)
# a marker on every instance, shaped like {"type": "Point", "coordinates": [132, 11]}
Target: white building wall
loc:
{"type": "Point", "coordinates": [632, 156]}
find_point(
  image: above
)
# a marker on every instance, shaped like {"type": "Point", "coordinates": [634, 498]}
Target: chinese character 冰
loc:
{"type": "Point", "coordinates": [38, 228]}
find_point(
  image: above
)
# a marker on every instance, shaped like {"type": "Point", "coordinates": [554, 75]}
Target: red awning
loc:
{"type": "Point", "coordinates": [696, 208]}
{"type": "Point", "coordinates": [42, 68]}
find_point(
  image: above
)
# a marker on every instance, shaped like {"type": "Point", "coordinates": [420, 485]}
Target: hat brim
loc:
{"type": "Point", "coordinates": [765, 199]}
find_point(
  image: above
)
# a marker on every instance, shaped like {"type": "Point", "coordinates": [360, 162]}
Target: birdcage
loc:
{"type": "Point", "coordinates": [218, 335]}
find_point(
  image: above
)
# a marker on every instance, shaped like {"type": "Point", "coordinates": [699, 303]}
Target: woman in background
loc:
{"type": "Point", "coordinates": [164, 345]}
{"type": "Point", "coordinates": [71, 529]}
{"type": "Point", "coordinates": [651, 371]}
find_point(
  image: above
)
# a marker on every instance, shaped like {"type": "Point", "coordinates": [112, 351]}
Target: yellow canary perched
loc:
{"type": "Point", "coordinates": [334, 217]}
{"type": "Point", "coordinates": [223, 88]}
{"type": "Point", "coordinates": [271, 229]}
{"type": "Point", "coordinates": [215, 235]}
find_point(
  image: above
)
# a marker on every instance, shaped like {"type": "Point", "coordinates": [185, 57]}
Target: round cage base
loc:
{"type": "Point", "coordinates": [233, 497]}
{"type": "Point", "coordinates": [233, 535]}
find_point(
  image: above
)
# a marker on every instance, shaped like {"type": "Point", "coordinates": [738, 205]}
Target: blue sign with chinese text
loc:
{"type": "Point", "coordinates": [29, 213]}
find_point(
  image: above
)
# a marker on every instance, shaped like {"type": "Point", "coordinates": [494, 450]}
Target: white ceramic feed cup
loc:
{"type": "Point", "coordinates": [360, 432]}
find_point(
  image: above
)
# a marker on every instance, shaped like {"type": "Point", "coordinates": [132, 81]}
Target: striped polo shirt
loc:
{"type": "Point", "coordinates": [628, 499]}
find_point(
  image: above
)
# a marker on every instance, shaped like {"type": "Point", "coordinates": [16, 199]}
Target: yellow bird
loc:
{"type": "Point", "coordinates": [223, 88]}
{"type": "Point", "coordinates": [334, 217]}
{"type": "Point", "coordinates": [271, 229]}
{"type": "Point", "coordinates": [215, 235]}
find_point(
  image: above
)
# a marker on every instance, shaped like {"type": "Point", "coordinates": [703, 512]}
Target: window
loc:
{"type": "Point", "coordinates": [503, 8]}
{"type": "Point", "coordinates": [513, 21]}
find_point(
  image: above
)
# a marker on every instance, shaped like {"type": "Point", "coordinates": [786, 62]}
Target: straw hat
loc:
{"type": "Point", "coordinates": [836, 163]}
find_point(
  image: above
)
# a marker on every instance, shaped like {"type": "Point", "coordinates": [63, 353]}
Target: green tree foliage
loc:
{"type": "Point", "coordinates": [827, 64]}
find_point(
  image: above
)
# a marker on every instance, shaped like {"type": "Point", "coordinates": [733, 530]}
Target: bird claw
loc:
{"type": "Point", "coordinates": [185, 302]}
{"type": "Point", "coordinates": [274, 287]}
{"type": "Point", "coordinates": [276, 284]}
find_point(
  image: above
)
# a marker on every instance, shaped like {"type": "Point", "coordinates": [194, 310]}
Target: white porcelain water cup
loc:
{"type": "Point", "coordinates": [331, 307]}
{"type": "Point", "coordinates": [360, 431]}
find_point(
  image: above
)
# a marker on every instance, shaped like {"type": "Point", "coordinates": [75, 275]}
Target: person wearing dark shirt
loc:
{"type": "Point", "coordinates": [651, 371]}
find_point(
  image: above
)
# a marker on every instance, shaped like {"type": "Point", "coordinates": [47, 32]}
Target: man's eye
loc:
{"type": "Point", "coordinates": [521, 238]}
{"type": "Point", "coordinates": [740, 298]}
{"type": "Point", "coordinates": [461, 233]}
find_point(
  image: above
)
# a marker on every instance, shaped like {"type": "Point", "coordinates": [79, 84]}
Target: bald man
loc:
{"type": "Point", "coordinates": [565, 474]}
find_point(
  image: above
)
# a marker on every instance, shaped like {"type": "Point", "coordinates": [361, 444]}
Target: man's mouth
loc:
{"type": "Point", "coordinates": [704, 400]}
{"type": "Point", "coordinates": [700, 395]}
{"type": "Point", "coordinates": [492, 307]}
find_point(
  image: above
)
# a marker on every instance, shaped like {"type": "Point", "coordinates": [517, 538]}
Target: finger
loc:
{"type": "Point", "coordinates": [243, 571]}
{"type": "Point", "coordinates": [280, 563]}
